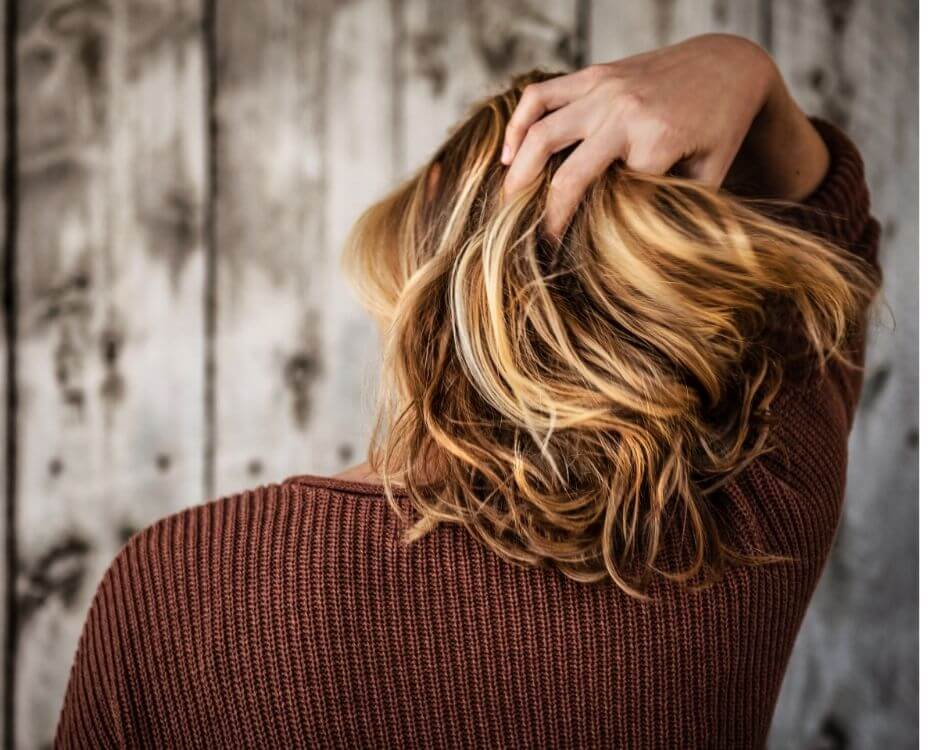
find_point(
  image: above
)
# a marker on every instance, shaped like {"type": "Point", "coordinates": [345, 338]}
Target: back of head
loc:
{"type": "Point", "coordinates": [569, 402]}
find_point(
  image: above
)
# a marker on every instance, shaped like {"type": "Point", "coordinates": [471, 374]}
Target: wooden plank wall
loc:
{"type": "Point", "coordinates": [853, 675]}
{"type": "Point", "coordinates": [110, 273]}
{"type": "Point", "coordinates": [179, 179]}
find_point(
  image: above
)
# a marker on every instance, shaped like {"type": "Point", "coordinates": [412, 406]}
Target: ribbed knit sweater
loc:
{"type": "Point", "coordinates": [292, 615]}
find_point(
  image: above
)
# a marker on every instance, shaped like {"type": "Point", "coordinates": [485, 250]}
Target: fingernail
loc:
{"type": "Point", "coordinates": [506, 153]}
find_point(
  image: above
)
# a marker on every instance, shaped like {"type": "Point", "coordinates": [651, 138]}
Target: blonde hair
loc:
{"type": "Point", "coordinates": [570, 403]}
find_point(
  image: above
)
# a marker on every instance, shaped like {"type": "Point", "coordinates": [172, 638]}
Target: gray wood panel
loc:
{"type": "Point", "coordinates": [110, 282]}
{"type": "Point", "coordinates": [188, 170]}
{"type": "Point", "coordinates": [618, 29]}
{"type": "Point", "coordinates": [344, 99]}
{"type": "Point", "coordinates": [458, 52]}
{"type": "Point", "coordinates": [852, 680]}
{"type": "Point", "coordinates": [304, 143]}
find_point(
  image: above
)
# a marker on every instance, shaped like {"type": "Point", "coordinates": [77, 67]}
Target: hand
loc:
{"type": "Point", "coordinates": [688, 107]}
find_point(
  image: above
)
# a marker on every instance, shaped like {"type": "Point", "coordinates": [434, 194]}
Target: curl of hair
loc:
{"type": "Point", "coordinates": [570, 403]}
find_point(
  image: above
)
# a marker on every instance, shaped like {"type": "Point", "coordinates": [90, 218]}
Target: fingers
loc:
{"type": "Point", "coordinates": [542, 97]}
{"type": "Point", "coordinates": [545, 137]}
{"type": "Point", "coordinates": [651, 154]}
{"type": "Point", "coordinates": [587, 162]}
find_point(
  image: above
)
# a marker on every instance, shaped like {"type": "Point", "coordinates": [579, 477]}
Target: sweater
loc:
{"type": "Point", "coordinates": [293, 616]}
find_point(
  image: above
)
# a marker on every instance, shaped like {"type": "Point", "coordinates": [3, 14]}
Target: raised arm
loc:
{"type": "Point", "coordinates": [714, 108]}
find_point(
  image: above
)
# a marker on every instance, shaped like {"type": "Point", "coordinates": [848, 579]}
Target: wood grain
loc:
{"type": "Point", "coordinates": [620, 29]}
{"type": "Point", "coordinates": [851, 679]}
{"type": "Point", "coordinates": [304, 114]}
{"type": "Point", "coordinates": [348, 99]}
{"type": "Point", "coordinates": [183, 174]}
{"type": "Point", "coordinates": [457, 52]}
{"type": "Point", "coordinates": [110, 282]}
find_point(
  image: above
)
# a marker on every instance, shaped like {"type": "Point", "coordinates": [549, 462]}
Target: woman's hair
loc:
{"type": "Point", "coordinates": [570, 402]}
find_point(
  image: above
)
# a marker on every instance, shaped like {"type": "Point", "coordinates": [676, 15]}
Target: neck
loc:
{"type": "Point", "coordinates": [360, 473]}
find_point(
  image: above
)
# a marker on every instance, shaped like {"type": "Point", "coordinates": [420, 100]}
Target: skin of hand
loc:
{"type": "Point", "coordinates": [713, 108]}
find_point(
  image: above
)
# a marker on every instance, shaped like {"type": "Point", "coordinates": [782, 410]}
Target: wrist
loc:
{"type": "Point", "coordinates": [782, 155]}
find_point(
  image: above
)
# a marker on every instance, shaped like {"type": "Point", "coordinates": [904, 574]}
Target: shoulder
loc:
{"type": "Point", "coordinates": [249, 539]}
{"type": "Point", "coordinates": [270, 514]}
{"type": "Point", "coordinates": [246, 543]}
{"type": "Point", "coordinates": [183, 599]}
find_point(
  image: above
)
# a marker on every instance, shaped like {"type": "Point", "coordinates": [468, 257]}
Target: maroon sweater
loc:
{"type": "Point", "coordinates": [292, 616]}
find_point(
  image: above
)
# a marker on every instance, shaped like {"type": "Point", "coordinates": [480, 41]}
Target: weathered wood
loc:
{"type": "Point", "coordinates": [321, 106]}
{"type": "Point", "coordinates": [457, 52]}
{"type": "Point", "coordinates": [110, 280]}
{"type": "Point", "coordinates": [304, 143]}
{"type": "Point", "coordinates": [295, 357]}
{"type": "Point", "coordinates": [620, 29]}
{"type": "Point", "coordinates": [852, 680]}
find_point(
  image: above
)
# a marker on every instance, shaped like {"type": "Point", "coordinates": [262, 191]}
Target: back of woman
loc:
{"type": "Point", "coordinates": [608, 468]}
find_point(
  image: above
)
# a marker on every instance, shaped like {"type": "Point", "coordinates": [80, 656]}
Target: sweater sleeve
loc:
{"type": "Point", "coordinates": [838, 211]}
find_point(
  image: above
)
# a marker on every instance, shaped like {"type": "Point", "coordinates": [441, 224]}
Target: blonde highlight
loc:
{"type": "Point", "coordinates": [573, 403]}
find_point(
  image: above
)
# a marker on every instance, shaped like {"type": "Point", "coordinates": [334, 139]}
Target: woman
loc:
{"type": "Point", "coordinates": [613, 436]}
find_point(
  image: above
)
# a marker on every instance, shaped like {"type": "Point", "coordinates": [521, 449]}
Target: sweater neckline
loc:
{"type": "Point", "coordinates": [343, 485]}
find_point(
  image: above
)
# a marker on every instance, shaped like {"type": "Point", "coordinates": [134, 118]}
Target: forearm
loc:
{"type": "Point", "coordinates": [782, 156]}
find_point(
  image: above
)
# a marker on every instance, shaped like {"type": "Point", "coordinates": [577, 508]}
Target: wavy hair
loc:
{"type": "Point", "coordinates": [571, 402]}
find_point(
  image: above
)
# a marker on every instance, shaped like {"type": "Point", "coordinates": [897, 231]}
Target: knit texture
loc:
{"type": "Point", "coordinates": [292, 615]}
